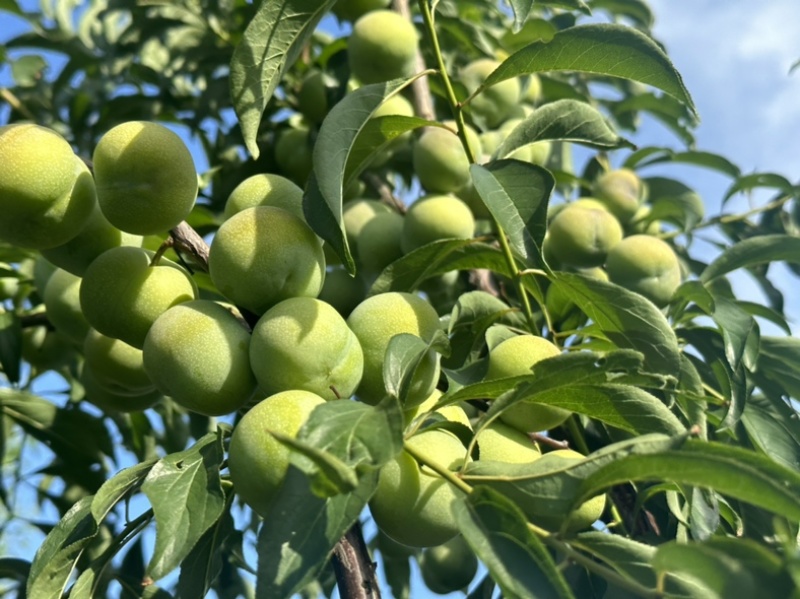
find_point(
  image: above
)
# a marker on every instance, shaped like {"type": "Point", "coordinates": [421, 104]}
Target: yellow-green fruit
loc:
{"type": "Point", "coordinates": [440, 161]}
{"type": "Point", "coordinates": [9, 285]}
{"type": "Point", "coordinates": [453, 412]}
{"type": "Point", "coordinates": [620, 191]}
{"type": "Point", "coordinates": [383, 46]}
{"type": "Point", "coordinates": [96, 236]}
{"type": "Point", "coordinates": [41, 272]}
{"type": "Point", "coordinates": [258, 462]}
{"type": "Point", "coordinates": [582, 237]}
{"type": "Point", "coordinates": [514, 357]}
{"type": "Point", "coordinates": [379, 242]}
{"type": "Point", "coordinates": [198, 354]}
{"type": "Point", "coordinates": [436, 217]}
{"type": "Point", "coordinates": [294, 152]}
{"type": "Point", "coordinates": [46, 350]}
{"type": "Point", "coordinates": [535, 153]}
{"type": "Point", "coordinates": [350, 10]}
{"type": "Point", "coordinates": [448, 567]}
{"type": "Point", "coordinates": [266, 189]}
{"type": "Point", "coordinates": [500, 442]}
{"type": "Point", "coordinates": [263, 255]}
{"type": "Point", "coordinates": [342, 291]}
{"type": "Point", "coordinates": [646, 265]}
{"type": "Point", "coordinates": [122, 294]}
{"type": "Point", "coordinates": [583, 517]}
{"type": "Point", "coordinates": [145, 176]}
{"type": "Point", "coordinates": [46, 192]}
{"type": "Point", "coordinates": [116, 366]}
{"type": "Point", "coordinates": [312, 98]}
{"type": "Point", "coordinates": [63, 303]}
{"type": "Point", "coordinates": [303, 343]}
{"type": "Point", "coordinates": [469, 195]}
{"type": "Point", "coordinates": [395, 105]}
{"type": "Point", "coordinates": [412, 504]}
{"type": "Point", "coordinates": [533, 92]}
{"type": "Point", "coordinates": [356, 214]}
{"type": "Point", "coordinates": [494, 103]}
{"type": "Point", "coordinates": [379, 318]}
{"type": "Point", "coordinates": [642, 223]}
{"type": "Point", "coordinates": [116, 402]}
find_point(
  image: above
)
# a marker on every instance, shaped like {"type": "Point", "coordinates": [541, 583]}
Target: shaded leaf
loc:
{"type": "Point", "coordinates": [270, 44]}
{"type": "Point", "coordinates": [10, 345]}
{"type": "Point", "coordinates": [404, 355]}
{"type": "Point", "coordinates": [185, 492]}
{"type": "Point", "coordinates": [605, 49]}
{"type": "Point", "coordinates": [497, 532]}
{"type": "Point", "coordinates": [751, 252]}
{"type": "Point", "coordinates": [204, 563]}
{"type": "Point", "coordinates": [522, 9]}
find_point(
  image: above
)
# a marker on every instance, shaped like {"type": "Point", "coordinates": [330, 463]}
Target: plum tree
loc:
{"type": "Point", "coordinates": [257, 461]}
{"type": "Point", "coordinates": [448, 567]}
{"type": "Point", "coordinates": [379, 318]}
{"type": "Point", "coordinates": [582, 236]}
{"type": "Point", "coordinates": [263, 255]}
{"type": "Point", "coordinates": [432, 218]}
{"type": "Point", "coordinates": [516, 356]}
{"type": "Point", "coordinates": [266, 189]}
{"type": "Point", "coordinates": [293, 330]}
{"type": "Point", "coordinates": [382, 46]}
{"type": "Point", "coordinates": [412, 504]}
{"type": "Point", "coordinates": [122, 293]}
{"type": "Point", "coordinates": [46, 192]}
{"type": "Point", "coordinates": [646, 265]}
{"type": "Point", "coordinates": [138, 191]}
{"type": "Point", "coordinates": [198, 353]}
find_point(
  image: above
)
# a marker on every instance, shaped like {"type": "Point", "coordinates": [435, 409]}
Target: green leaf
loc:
{"type": "Point", "coordinates": [203, 564]}
{"type": "Point", "coordinates": [56, 557]}
{"type": "Point", "coordinates": [740, 333]}
{"type": "Point", "coordinates": [69, 432]}
{"type": "Point", "coordinates": [10, 345]}
{"type": "Point", "coordinates": [516, 194]}
{"type": "Point", "coordinates": [626, 319]}
{"type": "Point", "coordinates": [675, 202]}
{"type": "Point", "coordinates": [322, 202]}
{"type": "Point", "coordinates": [605, 49]}
{"type": "Point", "coordinates": [522, 8]}
{"type": "Point", "coordinates": [28, 70]}
{"type": "Point", "coordinates": [751, 252]}
{"type": "Point", "coordinates": [774, 429]}
{"type": "Point", "coordinates": [756, 180]}
{"type": "Point", "coordinates": [497, 531]}
{"type": "Point", "coordinates": [567, 120]}
{"type": "Point", "coordinates": [117, 487]}
{"type": "Point", "coordinates": [637, 10]}
{"type": "Point", "coordinates": [185, 492]}
{"type": "Point", "coordinates": [732, 471]}
{"type": "Point", "coordinates": [404, 355]}
{"type": "Point", "coordinates": [709, 160]}
{"type": "Point", "coordinates": [437, 258]}
{"type": "Point", "coordinates": [777, 362]}
{"type": "Point", "coordinates": [675, 115]}
{"type": "Point", "coordinates": [272, 41]}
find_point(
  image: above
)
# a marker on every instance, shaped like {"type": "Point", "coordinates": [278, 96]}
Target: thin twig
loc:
{"type": "Point", "coordinates": [355, 571]}
{"type": "Point", "coordinates": [422, 99]}
{"type": "Point", "coordinates": [186, 239]}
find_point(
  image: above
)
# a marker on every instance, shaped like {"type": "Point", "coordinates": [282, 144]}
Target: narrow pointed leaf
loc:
{"type": "Point", "coordinates": [756, 180]}
{"type": "Point", "coordinates": [203, 564]}
{"type": "Point", "coordinates": [271, 43]}
{"type": "Point", "coordinates": [522, 8]}
{"type": "Point", "coordinates": [605, 49]}
{"type": "Point", "coordinates": [117, 487]}
{"type": "Point", "coordinates": [185, 492]}
{"type": "Point", "coordinates": [565, 120]}
{"type": "Point", "coordinates": [753, 251]}
{"type": "Point", "coordinates": [10, 345]}
{"type": "Point", "coordinates": [497, 531]}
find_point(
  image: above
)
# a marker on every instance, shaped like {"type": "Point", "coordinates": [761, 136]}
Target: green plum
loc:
{"type": "Point", "coordinates": [582, 236]}
{"type": "Point", "coordinates": [448, 567]}
{"type": "Point", "coordinates": [621, 191]}
{"type": "Point", "coordinates": [342, 291]}
{"type": "Point", "coordinates": [500, 442]}
{"type": "Point", "coordinates": [646, 265]}
{"type": "Point", "coordinates": [266, 189]}
{"type": "Point", "coordinates": [110, 401]}
{"type": "Point", "coordinates": [495, 103]}
{"type": "Point", "coordinates": [115, 366]}
{"type": "Point", "coordinates": [294, 152]}
{"type": "Point", "coordinates": [379, 242]}
{"type": "Point", "coordinates": [382, 46]}
{"type": "Point", "coordinates": [440, 161]}
{"type": "Point", "coordinates": [63, 303]}
{"type": "Point", "coordinates": [433, 218]}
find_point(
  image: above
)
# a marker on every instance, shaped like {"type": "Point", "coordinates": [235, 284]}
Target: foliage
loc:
{"type": "Point", "coordinates": [687, 413]}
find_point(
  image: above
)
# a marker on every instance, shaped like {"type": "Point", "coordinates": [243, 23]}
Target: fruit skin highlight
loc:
{"type": "Point", "coordinates": [303, 343]}
{"type": "Point", "coordinates": [258, 462]}
{"type": "Point", "coordinates": [198, 354]}
{"type": "Point", "coordinates": [139, 190]}
{"type": "Point", "coordinates": [46, 192]}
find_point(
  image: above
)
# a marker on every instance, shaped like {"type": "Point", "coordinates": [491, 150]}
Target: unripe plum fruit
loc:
{"type": "Point", "coordinates": [63, 303]}
{"type": "Point", "coordinates": [198, 353]}
{"type": "Point", "coordinates": [303, 343]}
{"type": "Point", "coordinates": [46, 350]}
{"type": "Point", "coordinates": [46, 192]}
{"type": "Point", "coordinates": [351, 10]}
{"type": "Point", "coordinates": [452, 412]}
{"type": "Point", "coordinates": [439, 159]}
{"type": "Point", "coordinates": [294, 153]}
{"type": "Point", "coordinates": [258, 462]}
{"type": "Point", "coordinates": [448, 567]}
{"type": "Point", "coordinates": [379, 318]}
{"type": "Point", "coordinates": [356, 214]}
{"type": "Point", "coordinates": [436, 217]}
{"type": "Point", "coordinates": [514, 357]}
{"type": "Point", "coordinates": [263, 255]}
{"type": "Point", "coordinates": [382, 46]}
{"type": "Point", "coordinates": [267, 189]}
{"type": "Point", "coordinates": [379, 242]}
{"type": "Point", "coordinates": [112, 401]}
{"type": "Point", "coordinates": [122, 294]}
{"type": "Point", "coordinates": [495, 103]}
{"type": "Point", "coordinates": [646, 265]}
{"type": "Point", "coordinates": [115, 366]}
{"type": "Point", "coordinates": [500, 442]}
{"type": "Point", "coordinates": [312, 97]}
{"type": "Point", "coordinates": [620, 191]}
{"type": "Point", "coordinates": [146, 178]}
{"type": "Point", "coordinates": [342, 291]}
{"type": "Point", "coordinates": [96, 236]}
{"type": "Point", "coordinates": [582, 237]}
{"type": "Point", "coordinates": [412, 504]}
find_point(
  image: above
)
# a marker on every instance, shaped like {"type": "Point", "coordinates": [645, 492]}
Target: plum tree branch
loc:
{"type": "Point", "coordinates": [355, 571]}
{"type": "Point", "coordinates": [423, 104]}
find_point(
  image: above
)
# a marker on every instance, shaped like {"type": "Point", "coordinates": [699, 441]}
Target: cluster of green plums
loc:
{"type": "Point", "coordinates": [145, 330]}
